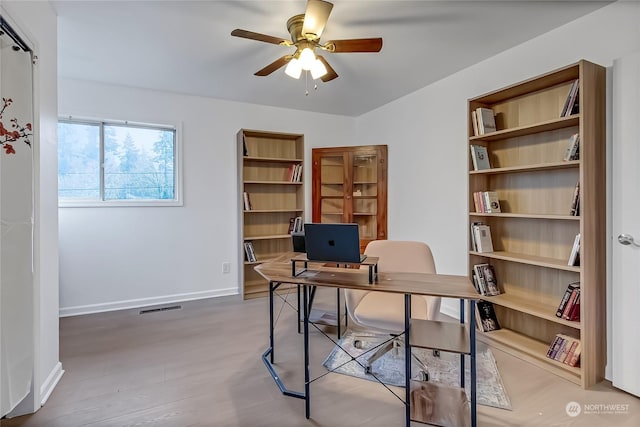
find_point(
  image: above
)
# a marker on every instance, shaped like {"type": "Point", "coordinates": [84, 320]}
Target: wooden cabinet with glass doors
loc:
{"type": "Point", "coordinates": [350, 186]}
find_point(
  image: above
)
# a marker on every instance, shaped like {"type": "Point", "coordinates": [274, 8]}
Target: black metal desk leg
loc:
{"type": "Point", "coordinates": [462, 354]}
{"type": "Point", "coordinates": [472, 333]}
{"type": "Point", "coordinates": [271, 319]}
{"type": "Point", "coordinates": [298, 313]}
{"type": "Point", "coordinates": [407, 359]}
{"type": "Point", "coordinates": [306, 352]}
{"type": "Point", "coordinates": [338, 310]}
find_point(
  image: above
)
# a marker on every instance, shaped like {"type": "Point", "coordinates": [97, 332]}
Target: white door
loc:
{"type": "Point", "coordinates": [626, 224]}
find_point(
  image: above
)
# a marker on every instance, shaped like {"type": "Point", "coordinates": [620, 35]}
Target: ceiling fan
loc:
{"type": "Point", "coordinates": [305, 31]}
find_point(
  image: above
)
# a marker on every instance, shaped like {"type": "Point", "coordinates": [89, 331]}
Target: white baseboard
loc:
{"type": "Point", "coordinates": [143, 302]}
{"type": "Point", "coordinates": [50, 383]}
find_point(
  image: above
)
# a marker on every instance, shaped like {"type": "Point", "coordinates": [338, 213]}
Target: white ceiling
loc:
{"type": "Point", "coordinates": [186, 46]}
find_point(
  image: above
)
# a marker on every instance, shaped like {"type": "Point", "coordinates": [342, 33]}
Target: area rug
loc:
{"type": "Point", "coordinates": [444, 368]}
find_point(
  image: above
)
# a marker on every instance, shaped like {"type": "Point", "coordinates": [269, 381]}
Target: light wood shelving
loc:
{"type": "Point", "coordinates": [534, 233]}
{"type": "Point", "coordinates": [264, 173]}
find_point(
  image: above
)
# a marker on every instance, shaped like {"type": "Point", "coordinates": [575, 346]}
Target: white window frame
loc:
{"type": "Point", "coordinates": [94, 203]}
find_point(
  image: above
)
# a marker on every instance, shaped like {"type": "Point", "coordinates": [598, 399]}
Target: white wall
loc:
{"type": "Point", "coordinates": [38, 21]}
{"type": "Point", "coordinates": [122, 257]}
{"type": "Point", "coordinates": [426, 130]}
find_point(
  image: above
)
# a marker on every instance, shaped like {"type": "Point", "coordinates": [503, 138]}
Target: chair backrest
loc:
{"type": "Point", "coordinates": [396, 256]}
{"type": "Point", "coordinates": [402, 256]}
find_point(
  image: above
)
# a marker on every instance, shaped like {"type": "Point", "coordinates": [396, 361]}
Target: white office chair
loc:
{"type": "Point", "coordinates": [382, 311]}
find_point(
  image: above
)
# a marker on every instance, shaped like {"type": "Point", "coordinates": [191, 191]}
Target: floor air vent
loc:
{"type": "Point", "coordinates": [157, 309]}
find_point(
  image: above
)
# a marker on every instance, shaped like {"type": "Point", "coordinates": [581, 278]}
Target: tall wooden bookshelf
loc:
{"type": "Point", "coordinates": [534, 233]}
{"type": "Point", "coordinates": [265, 162]}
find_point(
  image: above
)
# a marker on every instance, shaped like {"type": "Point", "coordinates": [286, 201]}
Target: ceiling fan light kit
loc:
{"type": "Point", "coordinates": [305, 31]}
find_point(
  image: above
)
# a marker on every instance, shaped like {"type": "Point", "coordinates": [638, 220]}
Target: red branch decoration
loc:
{"type": "Point", "coordinates": [16, 133]}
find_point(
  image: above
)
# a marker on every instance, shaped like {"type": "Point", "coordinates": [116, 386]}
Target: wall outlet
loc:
{"type": "Point", "coordinates": [226, 267]}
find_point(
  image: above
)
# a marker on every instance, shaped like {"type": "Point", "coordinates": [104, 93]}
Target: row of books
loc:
{"type": "Point", "coordinates": [572, 152]}
{"type": "Point", "coordinates": [250, 254]}
{"type": "Point", "coordinates": [296, 225]}
{"type": "Point", "coordinates": [484, 279]}
{"type": "Point", "coordinates": [483, 121]}
{"type": "Point", "coordinates": [565, 349]}
{"type": "Point", "coordinates": [575, 202]}
{"type": "Point", "coordinates": [486, 201]}
{"type": "Point", "coordinates": [481, 237]}
{"type": "Point", "coordinates": [246, 201]}
{"type": "Point", "coordinates": [295, 173]}
{"type": "Point", "coordinates": [571, 102]}
{"type": "Point", "coordinates": [569, 307]}
{"type": "Point", "coordinates": [486, 319]}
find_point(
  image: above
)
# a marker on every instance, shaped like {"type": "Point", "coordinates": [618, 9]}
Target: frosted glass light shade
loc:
{"type": "Point", "coordinates": [294, 69]}
{"type": "Point", "coordinates": [306, 59]}
{"type": "Point", "coordinates": [318, 69]}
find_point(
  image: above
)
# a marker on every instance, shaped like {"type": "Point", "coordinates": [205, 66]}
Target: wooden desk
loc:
{"type": "Point", "coordinates": [452, 337]}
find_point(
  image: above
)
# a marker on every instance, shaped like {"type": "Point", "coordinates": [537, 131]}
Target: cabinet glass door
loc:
{"type": "Point", "coordinates": [365, 194]}
{"type": "Point", "coordinates": [332, 188]}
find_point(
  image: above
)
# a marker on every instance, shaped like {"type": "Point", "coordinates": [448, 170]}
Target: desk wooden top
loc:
{"type": "Point", "coordinates": [442, 285]}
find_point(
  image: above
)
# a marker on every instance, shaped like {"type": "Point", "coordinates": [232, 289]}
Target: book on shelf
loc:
{"type": "Point", "coordinates": [565, 349]}
{"type": "Point", "coordinates": [246, 200]}
{"type": "Point", "coordinates": [245, 152]}
{"type": "Point", "coordinates": [295, 173]}
{"type": "Point", "coordinates": [479, 157]}
{"type": "Point", "coordinates": [565, 298]}
{"type": "Point", "coordinates": [484, 279]}
{"type": "Point", "coordinates": [575, 201]}
{"type": "Point", "coordinates": [486, 120]}
{"type": "Point", "coordinates": [574, 257]}
{"type": "Point", "coordinates": [295, 225]}
{"type": "Point", "coordinates": [249, 252]}
{"type": "Point", "coordinates": [572, 309]}
{"type": "Point", "coordinates": [486, 201]}
{"type": "Point", "coordinates": [473, 235]}
{"type": "Point", "coordinates": [474, 122]}
{"type": "Point", "coordinates": [571, 101]}
{"type": "Point", "coordinates": [482, 238]}
{"type": "Point", "coordinates": [486, 318]}
{"type": "Point", "coordinates": [573, 148]}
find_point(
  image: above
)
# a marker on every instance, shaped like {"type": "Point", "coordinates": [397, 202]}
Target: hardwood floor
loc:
{"type": "Point", "coordinates": [201, 366]}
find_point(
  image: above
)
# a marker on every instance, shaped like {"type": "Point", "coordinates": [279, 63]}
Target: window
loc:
{"type": "Point", "coordinates": [104, 163]}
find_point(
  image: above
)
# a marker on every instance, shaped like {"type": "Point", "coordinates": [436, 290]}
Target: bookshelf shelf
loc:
{"type": "Point", "coordinates": [525, 216]}
{"type": "Point", "coordinates": [264, 173]}
{"type": "Point", "coordinates": [529, 168]}
{"type": "Point", "coordinates": [535, 308]}
{"type": "Point", "coordinates": [548, 125]}
{"type": "Point", "coordinates": [534, 232]}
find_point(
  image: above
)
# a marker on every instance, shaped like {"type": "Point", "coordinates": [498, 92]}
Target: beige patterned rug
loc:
{"type": "Point", "coordinates": [444, 369]}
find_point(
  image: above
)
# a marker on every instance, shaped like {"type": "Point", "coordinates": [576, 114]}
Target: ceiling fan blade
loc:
{"type": "Point", "coordinates": [257, 36]}
{"type": "Point", "coordinates": [356, 45]}
{"type": "Point", "coordinates": [315, 17]}
{"type": "Point", "coordinates": [331, 74]}
{"type": "Point", "coordinates": [278, 63]}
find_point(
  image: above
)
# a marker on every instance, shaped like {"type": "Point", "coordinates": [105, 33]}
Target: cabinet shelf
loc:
{"type": "Point", "coordinates": [558, 264]}
{"type": "Point", "coordinates": [534, 308]}
{"type": "Point", "coordinates": [548, 125]}
{"type": "Point", "coordinates": [526, 216]}
{"type": "Point", "coordinates": [528, 168]}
